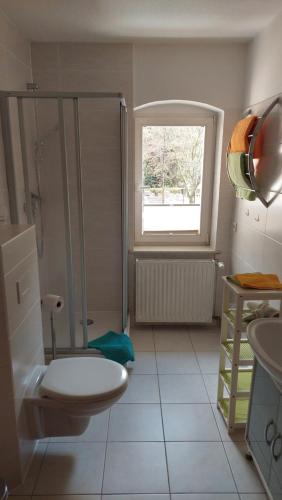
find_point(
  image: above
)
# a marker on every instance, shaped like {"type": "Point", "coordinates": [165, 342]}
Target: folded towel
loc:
{"type": "Point", "coordinates": [239, 142]}
{"type": "Point", "coordinates": [236, 164]}
{"type": "Point", "coordinates": [115, 346]}
{"type": "Point", "coordinates": [259, 310]}
{"type": "Point", "coordinates": [258, 281]}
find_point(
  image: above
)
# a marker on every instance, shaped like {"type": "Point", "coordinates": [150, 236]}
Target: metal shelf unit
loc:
{"type": "Point", "coordinates": [234, 383]}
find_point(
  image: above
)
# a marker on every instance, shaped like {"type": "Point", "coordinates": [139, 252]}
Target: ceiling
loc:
{"type": "Point", "coordinates": [131, 20]}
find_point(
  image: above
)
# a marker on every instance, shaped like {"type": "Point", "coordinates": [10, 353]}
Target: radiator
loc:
{"type": "Point", "coordinates": [174, 291]}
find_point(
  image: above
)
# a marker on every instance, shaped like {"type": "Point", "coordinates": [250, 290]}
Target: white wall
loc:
{"type": "Point", "coordinates": [211, 73]}
{"type": "Point", "coordinates": [264, 63]}
{"type": "Point", "coordinates": [207, 72]}
{"type": "Point", "coordinates": [15, 72]}
{"type": "Point", "coordinates": [257, 245]}
{"type": "Point", "coordinates": [24, 348]}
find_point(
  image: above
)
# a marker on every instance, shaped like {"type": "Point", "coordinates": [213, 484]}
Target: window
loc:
{"type": "Point", "coordinates": [174, 158]}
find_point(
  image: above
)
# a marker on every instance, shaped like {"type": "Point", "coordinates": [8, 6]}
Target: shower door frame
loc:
{"type": "Point", "coordinates": [13, 202]}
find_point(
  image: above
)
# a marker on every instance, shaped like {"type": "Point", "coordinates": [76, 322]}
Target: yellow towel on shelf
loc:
{"type": "Point", "coordinates": [258, 280]}
{"type": "Point", "coordinates": [239, 142]}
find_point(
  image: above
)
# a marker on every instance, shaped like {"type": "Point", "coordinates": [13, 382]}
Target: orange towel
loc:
{"type": "Point", "coordinates": [258, 280]}
{"type": "Point", "coordinates": [240, 136]}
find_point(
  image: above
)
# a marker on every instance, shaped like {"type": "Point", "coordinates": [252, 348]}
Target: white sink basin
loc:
{"type": "Point", "coordinates": [265, 337]}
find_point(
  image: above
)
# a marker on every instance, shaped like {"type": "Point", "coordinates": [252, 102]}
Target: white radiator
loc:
{"type": "Point", "coordinates": [174, 291]}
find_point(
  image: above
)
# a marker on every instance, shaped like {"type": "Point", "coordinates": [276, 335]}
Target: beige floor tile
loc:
{"type": "Point", "coordinates": [135, 467]}
{"type": "Point", "coordinates": [182, 389]}
{"type": "Point", "coordinates": [244, 472]}
{"type": "Point", "coordinates": [13, 497]}
{"type": "Point", "coordinates": [211, 382]}
{"type": "Point", "coordinates": [136, 422]}
{"type": "Point", "coordinates": [144, 364]}
{"type": "Point", "coordinates": [141, 389]}
{"type": "Point", "coordinates": [208, 361]}
{"type": "Point", "coordinates": [189, 422]}
{"type": "Point", "coordinates": [206, 496]}
{"type": "Point", "coordinates": [253, 496]}
{"type": "Point", "coordinates": [172, 340]}
{"type": "Point", "coordinates": [65, 497]}
{"type": "Point", "coordinates": [27, 487]}
{"type": "Point", "coordinates": [72, 468]}
{"type": "Point", "coordinates": [177, 362]}
{"type": "Point", "coordinates": [143, 339]}
{"type": "Point", "coordinates": [204, 341]}
{"type": "Point", "coordinates": [96, 431]}
{"type": "Point", "coordinates": [171, 329]}
{"type": "Point", "coordinates": [199, 468]}
{"type": "Point", "coordinates": [135, 462]}
{"type": "Point", "coordinates": [135, 497]}
{"type": "Point", "coordinates": [237, 435]}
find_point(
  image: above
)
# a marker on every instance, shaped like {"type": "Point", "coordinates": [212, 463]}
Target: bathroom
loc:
{"type": "Point", "coordinates": [79, 82]}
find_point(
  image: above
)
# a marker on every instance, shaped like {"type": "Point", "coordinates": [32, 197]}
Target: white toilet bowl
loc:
{"type": "Point", "coordinates": [62, 397]}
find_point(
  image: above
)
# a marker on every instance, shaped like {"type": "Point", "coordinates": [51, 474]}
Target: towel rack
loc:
{"type": "Point", "coordinates": [250, 173]}
{"type": "Point", "coordinates": [250, 154]}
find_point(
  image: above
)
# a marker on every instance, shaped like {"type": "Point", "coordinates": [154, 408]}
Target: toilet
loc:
{"type": "Point", "coordinates": [62, 397]}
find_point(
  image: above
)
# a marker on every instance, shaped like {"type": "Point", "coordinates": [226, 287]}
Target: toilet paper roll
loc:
{"type": "Point", "coordinates": [53, 303]}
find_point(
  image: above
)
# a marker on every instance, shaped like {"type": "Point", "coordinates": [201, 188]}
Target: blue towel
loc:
{"type": "Point", "coordinates": [115, 346]}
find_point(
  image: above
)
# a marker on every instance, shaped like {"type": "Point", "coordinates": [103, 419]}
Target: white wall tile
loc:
{"type": "Point", "coordinates": [15, 72]}
{"type": "Point", "coordinates": [273, 223]}
{"type": "Point", "coordinates": [21, 290]}
{"type": "Point", "coordinates": [272, 257]}
{"type": "Point", "coordinates": [45, 56]}
{"type": "Point", "coordinates": [25, 344]}
{"type": "Point", "coordinates": [251, 252]}
{"type": "Point", "coordinates": [12, 39]}
{"type": "Point", "coordinates": [82, 56]}
{"type": "Point", "coordinates": [93, 67]}
{"type": "Point", "coordinates": [23, 352]}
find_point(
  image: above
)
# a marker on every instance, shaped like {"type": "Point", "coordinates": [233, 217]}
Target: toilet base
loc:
{"type": "Point", "coordinates": [44, 419]}
{"type": "Point", "coordinates": [55, 423]}
{"type": "Point", "coordinates": [49, 417]}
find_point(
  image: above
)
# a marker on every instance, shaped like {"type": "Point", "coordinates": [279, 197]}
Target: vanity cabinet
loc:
{"type": "Point", "coordinates": [264, 430]}
{"type": "Point", "coordinates": [276, 469]}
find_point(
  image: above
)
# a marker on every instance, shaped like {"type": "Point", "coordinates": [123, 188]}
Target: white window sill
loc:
{"type": "Point", "coordinates": [174, 249]}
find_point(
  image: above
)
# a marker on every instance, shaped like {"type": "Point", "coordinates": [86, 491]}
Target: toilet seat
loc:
{"type": "Point", "coordinates": [83, 379]}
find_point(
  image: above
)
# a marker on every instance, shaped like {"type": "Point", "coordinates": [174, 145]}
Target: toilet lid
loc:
{"type": "Point", "coordinates": [83, 378]}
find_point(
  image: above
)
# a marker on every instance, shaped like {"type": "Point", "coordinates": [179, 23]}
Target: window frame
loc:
{"type": "Point", "coordinates": [180, 237]}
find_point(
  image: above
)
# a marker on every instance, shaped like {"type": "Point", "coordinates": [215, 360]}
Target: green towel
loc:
{"type": "Point", "coordinates": [236, 164]}
{"type": "Point", "coordinates": [115, 346]}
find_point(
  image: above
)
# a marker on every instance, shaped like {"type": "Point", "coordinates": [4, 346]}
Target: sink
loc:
{"type": "Point", "coordinates": [265, 338]}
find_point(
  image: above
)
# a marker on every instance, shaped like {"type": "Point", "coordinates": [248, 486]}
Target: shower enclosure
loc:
{"type": "Point", "coordinates": [66, 162]}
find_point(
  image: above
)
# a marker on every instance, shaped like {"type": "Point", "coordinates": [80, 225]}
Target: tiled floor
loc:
{"type": "Point", "coordinates": [164, 440]}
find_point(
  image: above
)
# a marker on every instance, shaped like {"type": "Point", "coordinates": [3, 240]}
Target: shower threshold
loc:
{"type": "Point", "coordinates": [69, 351]}
{"type": "Point", "coordinates": [104, 321]}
